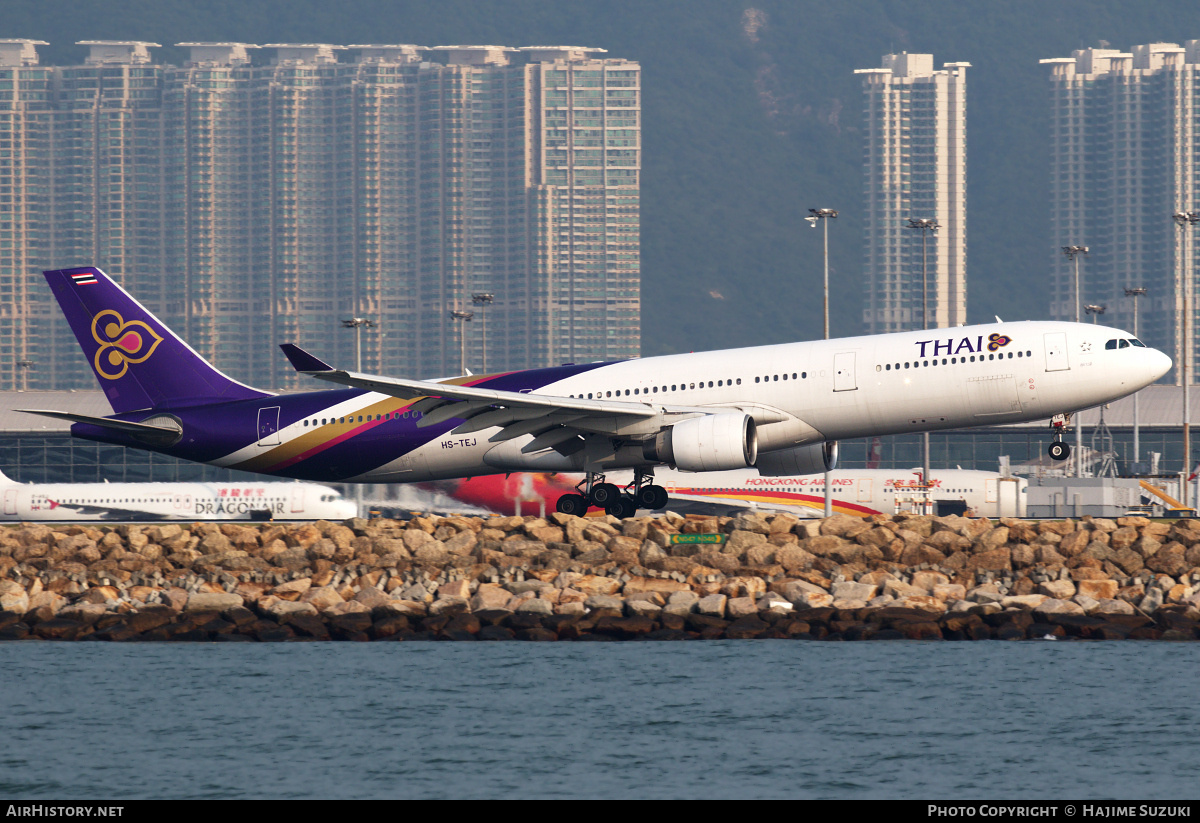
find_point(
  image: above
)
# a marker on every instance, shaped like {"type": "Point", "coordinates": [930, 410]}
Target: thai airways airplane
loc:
{"type": "Point", "coordinates": [79, 502]}
{"type": "Point", "coordinates": [778, 408]}
{"type": "Point", "coordinates": [858, 492]}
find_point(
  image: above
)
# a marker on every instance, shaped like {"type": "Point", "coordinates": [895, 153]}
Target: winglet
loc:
{"type": "Point", "coordinates": [302, 361]}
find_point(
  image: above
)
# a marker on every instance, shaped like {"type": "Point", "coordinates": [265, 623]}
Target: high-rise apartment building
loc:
{"type": "Point", "coordinates": [915, 167]}
{"type": "Point", "coordinates": [1123, 160]}
{"type": "Point", "coordinates": [259, 197]}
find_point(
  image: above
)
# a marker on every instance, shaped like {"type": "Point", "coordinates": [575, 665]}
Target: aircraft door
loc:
{"type": "Point", "coordinates": [843, 372]}
{"type": "Point", "coordinates": [297, 498]}
{"type": "Point", "coordinates": [10, 501]}
{"type": "Point", "coordinates": [268, 426]}
{"type": "Point", "coordinates": [864, 490]}
{"type": "Point", "coordinates": [1056, 351]}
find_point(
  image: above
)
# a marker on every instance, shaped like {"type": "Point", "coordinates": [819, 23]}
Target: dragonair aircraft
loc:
{"type": "Point", "coordinates": [122, 502]}
{"type": "Point", "coordinates": [779, 408]}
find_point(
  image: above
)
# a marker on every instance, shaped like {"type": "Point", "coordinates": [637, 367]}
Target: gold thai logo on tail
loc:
{"type": "Point", "coordinates": [121, 343]}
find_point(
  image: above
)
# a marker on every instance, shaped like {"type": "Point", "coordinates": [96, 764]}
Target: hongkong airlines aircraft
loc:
{"type": "Point", "coordinates": [779, 408]}
{"type": "Point", "coordinates": [857, 492]}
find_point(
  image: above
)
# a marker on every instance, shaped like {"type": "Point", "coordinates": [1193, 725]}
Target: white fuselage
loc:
{"type": "Point", "coordinates": [859, 492]}
{"type": "Point", "coordinates": [78, 502]}
{"type": "Point", "coordinates": [803, 393]}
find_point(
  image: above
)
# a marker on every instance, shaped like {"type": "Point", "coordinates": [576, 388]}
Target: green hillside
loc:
{"type": "Point", "coordinates": [751, 115]}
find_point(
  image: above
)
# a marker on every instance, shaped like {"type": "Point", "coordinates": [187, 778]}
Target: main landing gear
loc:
{"type": "Point", "coordinates": [620, 503]}
{"type": "Point", "coordinates": [1058, 450]}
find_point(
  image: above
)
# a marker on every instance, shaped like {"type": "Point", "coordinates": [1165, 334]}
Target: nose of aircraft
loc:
{"type": "Point", "coordinates": [1154, 364]}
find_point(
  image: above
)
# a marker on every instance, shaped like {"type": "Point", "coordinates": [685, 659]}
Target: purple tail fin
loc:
{"type": "Point", "coordinates": [139, 362]}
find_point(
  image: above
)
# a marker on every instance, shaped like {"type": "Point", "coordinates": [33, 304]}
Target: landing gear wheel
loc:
{"type": "Point", "coordinates": [651, 497]}
{"type": "Point", "coordinates": [575, 504]}
{"type": "Point", "coordinates": [1059, 450]}
{"type": "Point", "coordinates": [621, 507]}
{"type": "Point", "coordinates": [603, 494]}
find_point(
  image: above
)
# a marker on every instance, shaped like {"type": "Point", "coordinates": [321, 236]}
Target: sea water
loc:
{"type": "Point", "coordinates": [720, 719]}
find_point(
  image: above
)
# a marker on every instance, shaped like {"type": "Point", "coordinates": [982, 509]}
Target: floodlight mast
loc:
{"type": "Point", "coordinates": [1072, 253]}
{"type": "Point", "coordinates": [1185, 220]}
{"type": "Point", "coordinates": [925, 226]}
{"type": "Point", "coordinates": [1135, 292]}
{"type": "Point", "coordinates": [824, 216]}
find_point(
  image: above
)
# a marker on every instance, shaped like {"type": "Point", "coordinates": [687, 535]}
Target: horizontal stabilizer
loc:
{"type": "Point", "coordinates": [104, 422]}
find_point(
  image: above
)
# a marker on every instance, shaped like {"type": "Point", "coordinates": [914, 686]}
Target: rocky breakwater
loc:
{"type": "Point", "coordinates": [564, 577]}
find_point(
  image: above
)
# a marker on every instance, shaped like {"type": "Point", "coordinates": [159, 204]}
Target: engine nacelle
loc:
{"type": "Point", "coordinates": [714, 442]}
{"type": "Point", "coordinates": [816, 458]}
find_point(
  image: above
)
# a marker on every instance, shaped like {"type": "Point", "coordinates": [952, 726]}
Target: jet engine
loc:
{"type": "Point", "coordinates": [816, 458]}
{"type": "Point", "coordinates": [714, 442]}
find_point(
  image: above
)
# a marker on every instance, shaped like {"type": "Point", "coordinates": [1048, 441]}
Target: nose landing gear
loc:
{"type": "Point", "coordinates": [1058, 450]}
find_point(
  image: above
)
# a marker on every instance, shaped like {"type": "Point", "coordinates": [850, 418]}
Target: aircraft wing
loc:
{"type": "Point", "coordinates": [516, 413]}
{"type": "Point", "coordinates": [109, 513]}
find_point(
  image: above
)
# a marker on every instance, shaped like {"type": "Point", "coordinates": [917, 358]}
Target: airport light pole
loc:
{"type": "Point", "coordinates": [1185, 220]}
{"type": "Point", "coordinates": [482, 299]}
{"type": "Point", "coordinates": [1072, 253]}
{"type": "Point", "coordinates": [462, 317]}
{"type": "Point", "coordinates": [925, 226]}
{"type": "Point", "coordinates": [25, 366]}
{"type": "Point", "coordinates": [824, 215]}
{"type": "Point", "coordinates": [1135, 292]}
{"type": "Point", "coordinates": [358, 324]}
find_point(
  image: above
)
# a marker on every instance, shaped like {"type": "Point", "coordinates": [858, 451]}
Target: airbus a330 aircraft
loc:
{"type": "Point", "coordinates": [858, 492]}
{"type": "Point", "coordinates": [137, 502]}
{"type": "Point", "coordinates": [778, 408]}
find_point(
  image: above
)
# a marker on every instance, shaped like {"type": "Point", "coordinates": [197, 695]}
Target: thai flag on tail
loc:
{"type": "Point", "coordinates": [84, 279]}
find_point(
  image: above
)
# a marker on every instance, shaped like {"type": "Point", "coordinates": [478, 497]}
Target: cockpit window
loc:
{"type": "Point", "coordinates": [1124, 344]}
{"type": "Point", "coordinates": [1111, 344]}
{"type": "Point", "coordinates": [1136, 342]}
